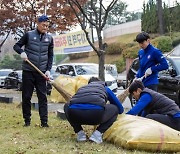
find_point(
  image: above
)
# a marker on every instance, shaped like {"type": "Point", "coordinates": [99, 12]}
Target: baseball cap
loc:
{"type": "Point", "coordinates": [43, 18]}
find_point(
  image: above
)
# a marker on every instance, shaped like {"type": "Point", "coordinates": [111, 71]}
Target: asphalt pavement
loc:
{"type": "Point", "coordinates": [52, 107]}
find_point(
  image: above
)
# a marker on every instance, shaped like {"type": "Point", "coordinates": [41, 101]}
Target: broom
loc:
{"type": "Point", "coordinates": [58, 87]}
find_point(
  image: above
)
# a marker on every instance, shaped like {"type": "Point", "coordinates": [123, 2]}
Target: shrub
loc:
{"type": "Point", "coordinates": [78, 55]}
{"type": "Point", "coordinates": [120, 64]}
{"type": "Point", "coordinates": [131, 52]}
{"type": "Point", "coordinates": [176, 41]}
{"type": "Point", "coordinates": [12, 62]}
{"type": "Point", "coordinates": [59, 57]}
{"type": "Point", "coordinates": [132, 44]}
{"type": "Point", "coordinates": [164, 43]}
{"type": "Point", "coordinates": [114, 48]}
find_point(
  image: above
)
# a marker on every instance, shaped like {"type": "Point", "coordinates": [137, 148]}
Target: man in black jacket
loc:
{"type": "Point", "coordinates": [88, 107]}
{"type": "Point", "coordinates": [38, 48]}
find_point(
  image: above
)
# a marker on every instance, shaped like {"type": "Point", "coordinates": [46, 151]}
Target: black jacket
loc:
{"type": "Point", "coordinates": [39, 49]}
{"type": "Point", "coordinates": [93, 93]}
{"type": "Point", "coordinates": [160, 104]}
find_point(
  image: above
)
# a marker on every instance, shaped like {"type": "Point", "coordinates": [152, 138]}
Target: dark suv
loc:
{"type": "Point", "coordinates": [14, 81]}
{"type": "Point", "coordinates": [169, 80]}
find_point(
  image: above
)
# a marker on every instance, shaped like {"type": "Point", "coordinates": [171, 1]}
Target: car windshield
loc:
{"type": "Point", "coordinates": [19, 73]}
{"type": "Point", "coordinates": [4, 73]}
{"type": "Point", "coordinates": [86, 69]}
{"type": "Point", "coordinates": [176, 51]}
{"type": "Point", "coordinates": [53, 70]}
{"type": "Point", "coordinates": [177, 63]}
{"type": "Point", "coordinates": [112, 72]}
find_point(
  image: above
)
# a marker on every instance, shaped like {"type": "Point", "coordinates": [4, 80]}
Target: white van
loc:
{"type": "Point", "coordinates": [112, 69]}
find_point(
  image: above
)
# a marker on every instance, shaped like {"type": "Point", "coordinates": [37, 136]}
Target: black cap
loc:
{"type": "Point", "coordinates": [141, 37]}
{"type": "Point", "coordinates": [43, 18]}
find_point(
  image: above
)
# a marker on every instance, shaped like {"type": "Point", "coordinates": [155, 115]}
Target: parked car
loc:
{"type": "Point", "coordinates": [112, 69]}
{"type": "Point", "coordinates": [169, 80]}
{"type": "Point", "coordinates": [53, 72]}
{"type": "Point", "coordinates": [14, 80]}
{"type": "Point", "coordinates": [3, 74]}
{"type": "Point", "coordinates": [121, 81]}
{"type": "Point", "coordinates": [86, 70]}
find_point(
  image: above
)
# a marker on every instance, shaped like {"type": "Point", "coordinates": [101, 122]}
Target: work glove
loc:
{"type": "Point", "coordinates": [138, 79]}
{"type": "Point", "coordinates": [23, 56]}
{"type": "Point", "coordinates": [148, 72]}
{"type": "Point", "coordinates": [47, 73]}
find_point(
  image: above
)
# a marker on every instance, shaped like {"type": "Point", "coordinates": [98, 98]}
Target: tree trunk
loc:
{"type": "Point", "coordinates": [160, 16]}
{"type": "Point", "coordinates": [101, 56]}
{"type": "Point", "coordinates": [101, 64]}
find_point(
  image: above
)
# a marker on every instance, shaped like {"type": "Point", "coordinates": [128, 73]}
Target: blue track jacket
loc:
{"type": "Point", "coordinates": [143, 101]}
{"type": "Point", "coordinates": [151, 57]}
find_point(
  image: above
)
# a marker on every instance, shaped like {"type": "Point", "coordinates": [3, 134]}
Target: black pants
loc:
{"type": "Point", "coordinates": [166, 120]}
{"type": "Point", "coordinates": [29, 81]}
{"type": "Point", "coordinates": [103, 118]}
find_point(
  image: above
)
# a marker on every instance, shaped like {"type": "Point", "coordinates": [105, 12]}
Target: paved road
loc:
{"type": "Point", "coordinates": [16, 95]}
{"type": "Point", "coordinates": [52, 107]}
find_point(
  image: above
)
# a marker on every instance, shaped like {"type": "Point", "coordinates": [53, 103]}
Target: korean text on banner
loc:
{"type": "Point", "coordinates": [72, 43]}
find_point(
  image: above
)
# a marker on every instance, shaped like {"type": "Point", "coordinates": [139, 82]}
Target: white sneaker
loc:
{"type": "Point", "coordinates": [96, 137]}
{"type": "Point", "coordinates": [81, 136]}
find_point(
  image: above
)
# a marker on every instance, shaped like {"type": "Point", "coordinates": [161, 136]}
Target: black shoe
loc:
{"type": "Point", "coordinates": [44, 125]}
{"type": "Point", "coordinates": [27, 124]}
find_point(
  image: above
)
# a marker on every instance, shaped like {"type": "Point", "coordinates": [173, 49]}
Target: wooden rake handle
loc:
{"type": "Point", "coordinates": [37, 69]}
{"type": "Point", "coordinates": [60, 89]}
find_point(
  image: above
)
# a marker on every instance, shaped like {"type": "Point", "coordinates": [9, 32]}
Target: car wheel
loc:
{"type": "Point", "coordinates": [49, 88]}
{"type": "Point", "coordinates": [19, 87]}
{"type": "Point", "coordinates": [48, 92]}
{"type": "Point", "coordinates": [6, 85]}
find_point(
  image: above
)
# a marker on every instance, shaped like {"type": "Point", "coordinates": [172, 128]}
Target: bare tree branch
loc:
{"type": "Point", "coordinates": [93, 7]}
{"type": "Point", "coordinates": [109, 8]}
{"type": "Point", "coordinates": [4, 40]}
{"type": "Point", "coordinates": [82, 26]}
{"type": "Point", "coordinates": [98, 21]}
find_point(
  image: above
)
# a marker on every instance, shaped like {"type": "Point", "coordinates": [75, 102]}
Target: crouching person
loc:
{"type": "Point", "coordinates": [88, 107]}
{"type": "Point", "coordinates": [154, 105]}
